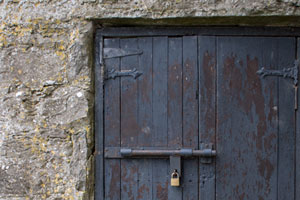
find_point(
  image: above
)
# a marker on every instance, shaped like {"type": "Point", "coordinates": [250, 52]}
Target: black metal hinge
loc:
{"type": "Point", "coordinates": [291, 72]}
{"type": "Point", "coordinates": [112, 74]}
{"type": "Point", "coordinates": [285, 72]}
{"type": "Point", "coordinates": [117, 53]}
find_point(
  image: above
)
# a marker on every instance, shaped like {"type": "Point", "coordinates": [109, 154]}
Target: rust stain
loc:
{"type": "Point", "coordinates": [142, 190]}
{"type": "Point", "coordinates": [233, 77]}
{"type": "Point", "coordinates": [128, 178]}
{"type": "Point", "coordinates": [268, 142]}
{"type": "Point", "coordinates": [114, 187]}
{"type": "Point", "coordinates": [112, 112]}
{"type": "Point", "coordinates": [174, 81]}
{"type": "Point", "coordinates": [208, 95]}
{"type": "Point", "coordinates": [248, 93]}
{"type": "Point", "coordinates": [174, 104]}
{"type": "Point", "coordinates": [129, 123]}
{"type": "Point", "coordinates": [188, 74]}
{"type": "Point", "coordinates": [190, 104]}
{"type": "Point", "coordinates": [146, 87]}
{"type": "Point", "coordinates": [254, 94]}
{"type": "Point", "coordinates": [247, 90]}
{"type": "Point", "coordinates": [266, 169]}
{"type": "Point", "coordinates": [237, 193]}
{"type": "Point", "coordinates": [162, 191]}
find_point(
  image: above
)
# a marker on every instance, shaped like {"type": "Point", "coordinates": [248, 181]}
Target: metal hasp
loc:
{"type": "Point", "coordinates": [113, 73]}
{"type": "Point", "coordinates": [174, 155]}
{"type": "Point", "coordinates": [291, 72]}
{"type": "Point", "coordinates": [175, 165]}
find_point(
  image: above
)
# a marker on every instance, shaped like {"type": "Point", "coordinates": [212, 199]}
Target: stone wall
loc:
{"type": "Point", "coordinates": [46, 81]}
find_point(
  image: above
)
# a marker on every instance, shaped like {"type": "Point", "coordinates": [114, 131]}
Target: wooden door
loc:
{"type": "Point", "coordinates": [187, 91]}
{"type": "Point", "coordinates": [255, 119]}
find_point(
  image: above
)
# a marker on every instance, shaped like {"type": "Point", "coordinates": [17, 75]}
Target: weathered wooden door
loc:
{"type": "Point", "coordinates": [175, 91]}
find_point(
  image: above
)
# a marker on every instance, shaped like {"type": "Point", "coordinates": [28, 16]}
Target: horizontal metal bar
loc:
{"type": "Point", "coordinates": [126, 152]}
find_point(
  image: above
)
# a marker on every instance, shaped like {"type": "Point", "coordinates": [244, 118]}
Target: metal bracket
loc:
{"type": "Point", "coordinates": [175, 164]}
{"type": "Point", "coordinates": [285, 72]}
{"type": "Point", "coordinates": [207, 148]}
{"type": "Point", "coordinates": [113, 73]}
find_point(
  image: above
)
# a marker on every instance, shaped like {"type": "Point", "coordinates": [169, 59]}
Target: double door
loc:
{"type": "Point", "coordinates": [176, 93]}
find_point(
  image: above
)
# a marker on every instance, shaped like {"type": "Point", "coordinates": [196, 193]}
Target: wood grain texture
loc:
{"type": "Point", "coordinates": [190, 117]}
{"type": "Point", "coordinates": [286, 138]}
{"type": "Point", "coordinates": [145, 117]}
{"type": "Point", "coordinates": [160, 91]}
{"type": "Point", "coordinates": [112, 127]}
{"type": "Point", "coordinates": [207, 109]}
{"type": "Point", "coordinates": [112, 113]}
{"type": "Point", "coordinates": [174, 92]}
{"type": "Point", "coordinates": [160, 117]}
{"type": "Point", "coordinates": [174, 104]}
{"type": "Point", "coordinates": [129, 122]}
{"type": "Point", "coordinates": [247, 119]}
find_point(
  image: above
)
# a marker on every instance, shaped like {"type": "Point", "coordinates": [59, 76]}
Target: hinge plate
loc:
{"type": "Point", "coordinates": [207, 147]}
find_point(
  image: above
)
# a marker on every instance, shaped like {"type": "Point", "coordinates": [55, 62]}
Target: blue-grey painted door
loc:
{"type": "Point", "coordinates": [255, 131]}
{"type": "Point", "coordinates": [197, 90]}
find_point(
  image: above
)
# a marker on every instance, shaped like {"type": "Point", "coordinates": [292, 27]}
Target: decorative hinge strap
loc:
{"type": "Point", "coordinates": [291, 72]}
{"type": "Point", "coordinates": [112, 74]}
{"type": "Point", "coordinates": [285, 72]}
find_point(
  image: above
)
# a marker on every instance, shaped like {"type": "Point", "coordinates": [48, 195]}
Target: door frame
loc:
{"type": "Point", "coordinates": [112, 32]}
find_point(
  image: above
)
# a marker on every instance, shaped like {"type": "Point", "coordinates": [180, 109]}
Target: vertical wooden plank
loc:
{"type": "Point", "coordinates": [145, 117]}
{"type": "Point", "coordinates": [159, 135]}
{"type": "Point", "coordinates": [247, 119]}
{"type": "Point", "coordinates": [160, 90]}
{"type": "Point", "coordinates": [99, 121]}
{"type": "Point", "coordinates": [286, 138]}
{"type": "Point", "coordinates": [174, 103]}
{"type": "Point", "coordinates": [129, 122]}
{"type": "Point", "coordinates": [190, 116]}
{"type": "Point", "coordinates": [207, 117]}
{"type": "Point", "coordinates": [266, 140]}
{"type": "Point", "coordinates": [112, 124]}
{"type": "Point", "coordinates": [297, 144]}
{"type": "Point", "coordinates": [160, 178]}
{"type": "Point", "coordinates": [145, 93]}
{"type": "Point", "coordinates": [175, 93]}
{"type": "Point", "coordinates": [268, 158]}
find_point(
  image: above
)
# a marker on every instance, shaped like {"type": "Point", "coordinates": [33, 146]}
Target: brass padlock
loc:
{"type": "Point", "coordinates": [175, 179]}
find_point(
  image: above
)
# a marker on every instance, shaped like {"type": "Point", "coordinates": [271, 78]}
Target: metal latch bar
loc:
{"type": "Point", "coordinates": [127, 152]}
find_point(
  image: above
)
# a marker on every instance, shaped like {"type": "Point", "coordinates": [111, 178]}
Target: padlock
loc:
{"type": "Point", "coordinates": [175, 179]}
